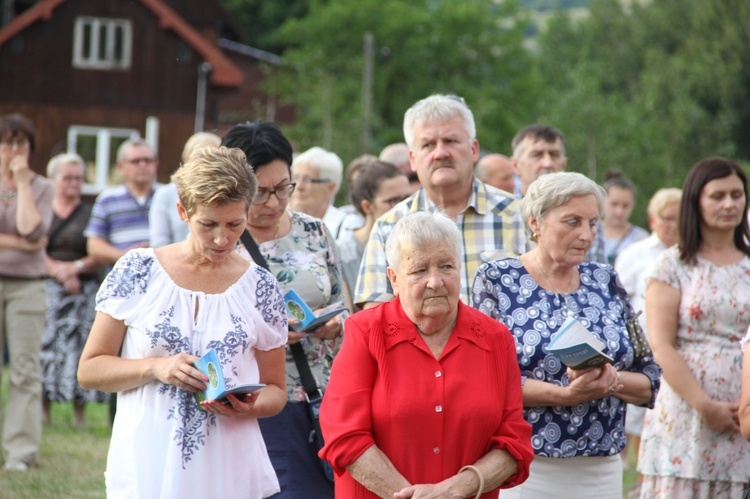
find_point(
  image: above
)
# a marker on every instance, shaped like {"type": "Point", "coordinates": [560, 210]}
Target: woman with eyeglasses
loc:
{"type": "Point", "coordinates": [71, 290]}
{"type": "Point", "coordinates": [377, 187]}
{"type": "Point", "coordinates": [302, 255]}
{"type": "Point", "coordinates": [25, 217]}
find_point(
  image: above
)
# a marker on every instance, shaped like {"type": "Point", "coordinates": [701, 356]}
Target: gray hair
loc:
{"type": "Point", "coordinates": [328, 164]}
{"type": "Point", "coordinates": [438, 108]}
{"type": "Point", "coordinates": [131, 143]}
{"type": "Point", "coordinates": [53, 167]}
{"type": "Point", "coordinates": [556, 189]}
{"type": "Point", "coordinates": [419, 229]}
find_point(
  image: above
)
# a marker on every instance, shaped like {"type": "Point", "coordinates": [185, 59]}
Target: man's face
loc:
{"type": "Point", "coordinates": [497, 171]}
{"type": "Point", "coordinates": [443, 154]}
{"type": "Point", "coordinates": [538, 157]}
{"type": "Point", "coordinates": [138, 165]}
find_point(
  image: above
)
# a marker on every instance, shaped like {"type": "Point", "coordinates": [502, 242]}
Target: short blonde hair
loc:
{"type": "Point", "coordinates": [215, 176]}
{"type": "Point", "coordinates": [198, 141]}
{"type": "Point", "coordinates": [663, 198]}
{"type": "Point", "coordinates": [556, 189]}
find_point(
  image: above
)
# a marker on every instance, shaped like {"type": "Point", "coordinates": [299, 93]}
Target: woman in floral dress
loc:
{"type": "Point", "coordinates": [301, 253]}
{"type": "Point", "coordinates": [698, 309]}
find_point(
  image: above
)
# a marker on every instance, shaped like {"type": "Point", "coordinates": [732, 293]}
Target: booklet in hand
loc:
{"type": "Point", "coordinates": [297, 308]}
{"type": "Point", "coordinates": [577, 347]}
{"type": "Point", "coordinates": [216, 388]}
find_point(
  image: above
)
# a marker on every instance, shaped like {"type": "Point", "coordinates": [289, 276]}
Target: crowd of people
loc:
{"type": "Point", "coordinates": [455, 270]}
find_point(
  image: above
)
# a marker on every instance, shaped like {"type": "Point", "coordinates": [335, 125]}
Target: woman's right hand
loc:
{"type": "Point", "coordinates": [721, 416]}
{"type": "Point", "coordinates": [178, 370]}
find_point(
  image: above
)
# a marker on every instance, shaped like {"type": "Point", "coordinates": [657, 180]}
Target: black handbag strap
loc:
{"type": "Point", "coordinates": [298, 353]}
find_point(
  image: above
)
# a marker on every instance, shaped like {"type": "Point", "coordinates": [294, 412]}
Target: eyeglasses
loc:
{"type": "Point", "coordinates": [281, 192]}
{"type": "Point", "coordinates": [20, 142]}
{"type": "Point", "coordinates": [309, 180]}
{"type": "Point", "coordinates": [71, 178]}
{"type": "Point", "coordinates": [136, 161]}
{"type": "Point", "coordinates": [668, 220]}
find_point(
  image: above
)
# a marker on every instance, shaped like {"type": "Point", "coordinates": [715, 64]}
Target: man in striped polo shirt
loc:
{"type": "Point", "coordinates": [119, 219]}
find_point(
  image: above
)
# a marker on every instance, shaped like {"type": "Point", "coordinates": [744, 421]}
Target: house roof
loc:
{"type": "Point", "coordinates": [224, 72]}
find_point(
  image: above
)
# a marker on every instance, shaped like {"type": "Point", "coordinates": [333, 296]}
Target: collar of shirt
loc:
{"type": "Point", "coordinates": [478, 200]}
{"type": "Point", "coordinates": [399, 328]}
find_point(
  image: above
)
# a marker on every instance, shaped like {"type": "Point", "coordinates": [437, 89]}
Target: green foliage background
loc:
{"type": "Point", "coordinates": [644, 87]}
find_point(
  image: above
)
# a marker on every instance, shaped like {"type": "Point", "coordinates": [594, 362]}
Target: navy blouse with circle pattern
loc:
{"type": "Point", "coordinates": [504, 290]}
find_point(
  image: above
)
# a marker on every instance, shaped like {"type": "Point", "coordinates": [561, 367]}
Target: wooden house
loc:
{"type": "Point", "coordinates": [92, 73]}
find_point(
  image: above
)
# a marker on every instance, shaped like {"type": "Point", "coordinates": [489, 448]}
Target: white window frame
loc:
{"type": "Point", "coordinates": [92, 60]}
{"type": "Point", "coordinates": [103, 140]}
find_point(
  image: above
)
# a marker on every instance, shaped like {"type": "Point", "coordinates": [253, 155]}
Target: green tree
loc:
{"type": "Point", "coordinates": [262, 18]}
{"type": "Point", "coordinates": [649, 89]}
{"type": "Point", "coordinates": [472, 49]}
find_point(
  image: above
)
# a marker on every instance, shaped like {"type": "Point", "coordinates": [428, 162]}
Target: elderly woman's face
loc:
{"type": "Point", "coordinates": [427, 281]}
{"type": "Point", "coordinates": [69, 180]}
{"type": "Point", "coordinates": [567, 231]}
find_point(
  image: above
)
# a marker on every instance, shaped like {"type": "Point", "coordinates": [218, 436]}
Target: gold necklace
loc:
{"type": "Point", "coordinates": [565, 296]}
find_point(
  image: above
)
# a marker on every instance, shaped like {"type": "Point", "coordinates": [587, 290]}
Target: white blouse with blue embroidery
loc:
{"type": "Point", "coordinates": [163, 445]}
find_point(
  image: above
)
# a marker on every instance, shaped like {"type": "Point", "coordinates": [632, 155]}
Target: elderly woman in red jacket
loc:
{"type": "Point", "coordinates": [424, 399]}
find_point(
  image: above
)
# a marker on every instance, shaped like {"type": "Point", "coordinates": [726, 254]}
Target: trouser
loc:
{"type": "Point", "coordinates": [23, 305]}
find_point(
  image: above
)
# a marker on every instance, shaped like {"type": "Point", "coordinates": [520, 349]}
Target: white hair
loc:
{"type": "Point", "coordinates": [556, 189]}
{"type": "Point", "coordinates": [328, 164]}
{"type": "Point", "coordinates": [53, 167]}
{"type": "Point", "coordinates": [419, 229]}
{"type": "Point", "coordinates": [437, 108]}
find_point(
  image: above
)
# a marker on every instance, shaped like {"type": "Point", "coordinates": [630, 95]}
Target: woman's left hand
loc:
{"type": "Point", "coordinates": [236, 407]}
{"type": "Point", "coordinates": [330, 330]}
{"type": "Point", "coordinates": [605, 383]}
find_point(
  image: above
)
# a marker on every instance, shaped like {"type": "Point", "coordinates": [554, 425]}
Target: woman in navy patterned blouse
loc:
{"type": "Point", "coordinates": [577, 416]}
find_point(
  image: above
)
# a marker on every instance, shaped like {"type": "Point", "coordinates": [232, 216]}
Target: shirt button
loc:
{"type": "Point", "coordinates": [436, 450]}
{"type": "Point", "coordinates": [438, 408]}
{"type": "Point", "coordinates": [438, 374]}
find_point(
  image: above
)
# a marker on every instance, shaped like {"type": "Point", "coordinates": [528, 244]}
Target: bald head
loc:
{"type": "Point", "coordinates": [496, 170]}
{"type": "Point", "coordinates": [397, 154]}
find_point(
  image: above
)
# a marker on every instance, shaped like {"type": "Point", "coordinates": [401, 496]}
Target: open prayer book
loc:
{"type": "Point", "coordinates": [577, 347]}
{"type": "Point", "coordinates": [298, 309]}
{"type": "Point", "coordinates": [216, 388]}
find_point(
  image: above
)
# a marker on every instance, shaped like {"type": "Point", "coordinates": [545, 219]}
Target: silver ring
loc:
{"type": "Point", "coordinates": [611, 389]}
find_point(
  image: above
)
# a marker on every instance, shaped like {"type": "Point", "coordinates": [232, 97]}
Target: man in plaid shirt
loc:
{"type": "Point", "coordinates": [443, 148]}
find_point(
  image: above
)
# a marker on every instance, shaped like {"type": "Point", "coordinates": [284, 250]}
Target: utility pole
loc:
{"type": "Point", "coordinates": [367, 77]}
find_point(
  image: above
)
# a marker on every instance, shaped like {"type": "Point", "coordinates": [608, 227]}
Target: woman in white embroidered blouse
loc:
{"type": "Point", "coordinates": [165, 307]}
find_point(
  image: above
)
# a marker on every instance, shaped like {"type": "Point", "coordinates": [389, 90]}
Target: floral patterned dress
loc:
{"type": "Point", "coordinates": [679, 454]}
{"type": "Point", "coordinates": [307, 261]}
{"type": "Point", "coordinates": [163, 445]}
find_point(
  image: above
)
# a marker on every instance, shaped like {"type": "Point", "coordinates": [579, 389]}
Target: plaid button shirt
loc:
{"type": "Point", "coordinates": [491, 228]}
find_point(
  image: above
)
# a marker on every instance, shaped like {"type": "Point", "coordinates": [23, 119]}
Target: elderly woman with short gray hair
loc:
{"type": "Point", "coordinates": [403, 416]}
{"type": "Point", "coordinates": [577, 416]}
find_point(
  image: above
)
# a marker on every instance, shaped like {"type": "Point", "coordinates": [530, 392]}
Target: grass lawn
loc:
{"type": "Point", "coordinates": [71, 460]}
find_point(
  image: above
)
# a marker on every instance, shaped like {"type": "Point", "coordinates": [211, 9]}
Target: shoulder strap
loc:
{"type": "Point", "coordinates": [63, 223]}
{"type": "Point", "coordinates": [298, 353]}
{"type": "Point", "coordinates": [252, 248]}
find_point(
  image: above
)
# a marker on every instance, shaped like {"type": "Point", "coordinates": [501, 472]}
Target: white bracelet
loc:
{"type": "Point", "coordinates": [479, 475]}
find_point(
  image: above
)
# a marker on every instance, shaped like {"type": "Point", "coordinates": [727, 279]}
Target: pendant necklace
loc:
{"type": "Point", "coordinates": [565, 296]}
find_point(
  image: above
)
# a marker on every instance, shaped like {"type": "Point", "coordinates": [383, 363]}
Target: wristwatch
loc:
{"type": "Point", "coordinates": [79, 265]}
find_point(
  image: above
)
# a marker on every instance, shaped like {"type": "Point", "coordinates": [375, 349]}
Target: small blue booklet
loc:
{"type": "Point", "coordinates": [298, 309]}
{"type": "Point", "coordinates": [577, 347]}
{"type": "Point", "coordinates": [216, 388]}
